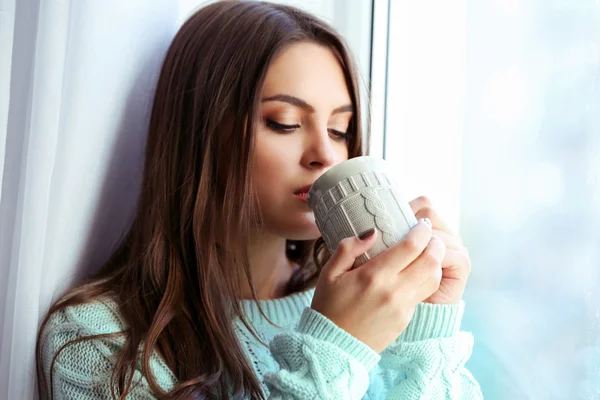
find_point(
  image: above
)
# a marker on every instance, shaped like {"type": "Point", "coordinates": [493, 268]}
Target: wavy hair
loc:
{"type": "Point", "coordinates": [185, 255]}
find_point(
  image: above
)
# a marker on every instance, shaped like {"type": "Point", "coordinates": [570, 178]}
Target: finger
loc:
{"type": "Point", "coordinates": [437, 221]}
{"type": "Point", "coordinates": [408, 249]}
{"type": "Point", "coordinates": [456, 264]}
{"type": "Point", "coordinates": [420, 202]}
{"type": "Point", "coordinates": [347, 251]}
{"type": "Point", "coordinates": [422, 207]}
{"type": "Point", "coordinates": [422, 277]}
{"type": "Point", "coordinates": [451, 241]}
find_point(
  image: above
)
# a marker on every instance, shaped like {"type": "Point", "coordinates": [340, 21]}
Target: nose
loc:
{"type": "Point", "coordinates": [319, 151]}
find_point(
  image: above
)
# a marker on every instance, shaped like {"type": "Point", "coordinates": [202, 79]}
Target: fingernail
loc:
{"type": "Point", "coordinates": [366, 234]}
{"type": "Point", "coordinates": [428, 222]}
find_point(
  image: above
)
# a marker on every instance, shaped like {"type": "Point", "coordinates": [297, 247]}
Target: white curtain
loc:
{"type": "Point", "coordinates": [76, 83]}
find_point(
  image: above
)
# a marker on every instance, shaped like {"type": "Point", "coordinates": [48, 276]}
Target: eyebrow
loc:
{"type": "Point", "coordinates": [295, 101]}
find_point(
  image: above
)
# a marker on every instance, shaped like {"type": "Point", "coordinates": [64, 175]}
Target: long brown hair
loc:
{"type": "Point", "coordinates": [185, 254]}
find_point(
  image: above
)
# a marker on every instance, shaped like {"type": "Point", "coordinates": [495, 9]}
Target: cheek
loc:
{"type": "Point", "coordinates": [343, 151]}
{"type": "Point", "coordinates": [273, 162]}
{"type": "Point", "coordinates": [269, 161]}
{"type": "Point", "coordinates": [267, 176]}
{"type": "Point", "coordinates": [270, 157]}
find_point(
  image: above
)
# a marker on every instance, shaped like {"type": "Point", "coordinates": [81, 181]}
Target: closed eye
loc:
{"type": "Point", "coordinates": [341, 135]}
{"type": "Point", "coordinates": [276, 126]}
{"type": "Point", "coordinates": [283, 128]}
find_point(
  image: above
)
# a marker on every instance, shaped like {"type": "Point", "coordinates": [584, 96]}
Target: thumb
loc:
{"type": "Point", "coordinates": [347, 251]}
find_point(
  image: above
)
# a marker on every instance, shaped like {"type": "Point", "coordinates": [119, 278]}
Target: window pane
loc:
{"type": "Point", "coordinates": [500, 124]}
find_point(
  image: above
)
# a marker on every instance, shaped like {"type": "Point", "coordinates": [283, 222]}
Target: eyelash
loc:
{"type": "Point", "coordinates": [277, 127]}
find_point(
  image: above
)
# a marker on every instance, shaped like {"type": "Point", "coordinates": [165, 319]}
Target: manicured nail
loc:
{"type": "Point", "coordinates": [428, 222]}
{"type": "Point", "coordinates": [366, 234]}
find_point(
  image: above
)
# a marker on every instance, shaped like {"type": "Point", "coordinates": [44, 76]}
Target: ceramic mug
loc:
{"type": "Point", "coordinates": [355, 196]}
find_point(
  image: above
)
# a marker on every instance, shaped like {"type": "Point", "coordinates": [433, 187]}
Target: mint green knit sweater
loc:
{"type": "Point", "coordinates": [309, 357]}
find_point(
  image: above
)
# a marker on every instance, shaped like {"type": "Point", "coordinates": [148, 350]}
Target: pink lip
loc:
{"type": "Point", "coordinates": [303, 189]}
{"type": "Point", "coordinates": [302, 196]}
{"type": "Point", "coordinates": [302, 193]}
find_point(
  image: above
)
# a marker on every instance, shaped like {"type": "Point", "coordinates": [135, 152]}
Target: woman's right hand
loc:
{"type": "Point", "coordinates": [376, 301]}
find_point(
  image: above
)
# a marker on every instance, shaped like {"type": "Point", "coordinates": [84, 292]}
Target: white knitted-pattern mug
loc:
{"type": "Point", "coordinates": [355, 196]}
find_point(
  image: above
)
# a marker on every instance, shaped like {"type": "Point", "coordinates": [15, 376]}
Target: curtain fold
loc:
{"type": "Point", "coordinates": [76, 84]}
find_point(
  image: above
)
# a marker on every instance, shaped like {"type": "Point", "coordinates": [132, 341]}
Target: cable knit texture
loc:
{"type": "Point", "coordinates": [308, 356]}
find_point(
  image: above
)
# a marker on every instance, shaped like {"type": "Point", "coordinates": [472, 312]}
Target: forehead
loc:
{"type": "Point", "coordinates": [308, 71]}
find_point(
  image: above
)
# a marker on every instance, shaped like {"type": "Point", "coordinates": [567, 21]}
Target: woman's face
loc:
{"type": "Point", "coordinates": [304, 115]}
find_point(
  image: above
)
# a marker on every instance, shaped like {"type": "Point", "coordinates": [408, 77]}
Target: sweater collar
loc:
{"type": "Point", "coordinates": [280, 311]}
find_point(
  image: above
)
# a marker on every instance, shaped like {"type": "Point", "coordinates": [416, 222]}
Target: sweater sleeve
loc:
{"type": "Point", "coordinates": [82, 370]}
{"type": "Point", "coordinates": [427, 361]}
{"type": "Point", "coordinates": [319, 360]}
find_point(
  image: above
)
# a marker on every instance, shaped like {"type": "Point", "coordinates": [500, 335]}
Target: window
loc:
{"type": "Point", "coordinates": [493, 110]}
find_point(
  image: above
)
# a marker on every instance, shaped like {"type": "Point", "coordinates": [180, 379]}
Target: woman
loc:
{"type": "Point", "coordinates": [222, 287]}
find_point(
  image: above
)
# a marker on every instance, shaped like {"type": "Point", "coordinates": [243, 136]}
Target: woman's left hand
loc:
{"type": "Point", "coordinates": [456, 265]}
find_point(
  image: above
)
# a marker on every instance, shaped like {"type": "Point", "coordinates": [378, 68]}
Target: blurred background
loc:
{"type": "Point", "coordinates": [490, 108]}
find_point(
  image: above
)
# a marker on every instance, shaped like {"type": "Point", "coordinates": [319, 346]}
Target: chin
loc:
{"type": "Point", "coordinates": [304, 235]}
{"type": "Point", "coordinates": [304, 229]}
